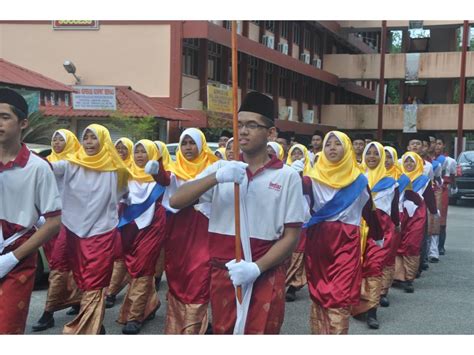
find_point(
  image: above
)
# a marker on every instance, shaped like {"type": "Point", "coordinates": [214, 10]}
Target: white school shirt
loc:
{"type": "Point", "coordinates": [90, 199]}
{"type": "Point", "coordinates": [175, 183]}
{"type": "Point", "coordinates": [27, 191]}
{"type": "Point", "coordinates": [351, 215]}
{"type": "Point", "coordinates": [273, 198]}
{"type": "Point", "coordinates": [138, 193]}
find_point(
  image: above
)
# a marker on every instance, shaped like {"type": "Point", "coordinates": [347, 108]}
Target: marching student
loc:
{"type": "Point", "coordinates": [376, 254]}
{"type": "Point", "coordinates": [28, 191]}
{"type": "Point", "coordinates": [333, 253]}
{"type": "Point", "coordinates": [95, 178]}
{"type": "Point", "coordinates": [62, 289]}
{"type": "Point", "coordinates": [393, 170]}
{"type": "Point", "coordinates": [299, 159]}
{"type": "Point", "coordinates": [358, 143]}
{"type": "Point", "coordinates": [124, 147]}
{"type": "Point", "coordinates": [120, 277]}
{"type": "Point", "coordinates": [142, 226]}
{"type": "Point", "coordinates": [274, 148]}
{"type": "Point", "coordinates": [448, 168]}
{"type": "Point", "coordinates": [271, 218]}
{"type": "Point", "coordinates": [416, 201]}
{"type": "Point", "coordinates": [220, 153]}
{"type": "Point", "coordinates": [186, 246]}
{"type": "Point", "coordinates": [316, 145]}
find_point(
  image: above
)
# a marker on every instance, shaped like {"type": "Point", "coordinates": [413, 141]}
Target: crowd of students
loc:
{"type": "Point", "coordinates": [347, 218]}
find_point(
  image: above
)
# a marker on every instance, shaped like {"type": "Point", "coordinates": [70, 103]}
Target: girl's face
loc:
{"type": "Point", "coordinates": [189, 148]}
{"type": "Point", "coordinates": [270, 151]}
{"type": "Point", "coordinates": [372, 157]}
{"type": "Point", "coordinates": [140, 156]}
{"type": "Point", "coordinates": [296, 154]}
{"type": "Point", "coordinates": [91, 143]}
{"type": "Point", "coordinates": [334, 149]}
{"type": "Point", "coordinates": [58, 143]}
{"type": "Point", "coordinates": [388, 160]}
{"type": "Point", "coordinates": [409, 164]}
{"type": "Point", "coordinates": [122, 150]}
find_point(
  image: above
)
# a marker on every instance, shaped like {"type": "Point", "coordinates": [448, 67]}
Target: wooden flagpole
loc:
{"type": "Point", "coordinates": [236, 148]}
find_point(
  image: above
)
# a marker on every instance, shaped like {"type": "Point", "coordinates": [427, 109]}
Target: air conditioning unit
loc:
{"type": "Point", "coordinates": [283, 47]}
{"type": "Point", "coordinates": [308, 116]}
{"type": "Point", "coordinates": [290, 113]}
{"type": "Point", "coordinates": [317, 63]}
{"type": "Point", "coordinates": [228, 25]}
{"type": "Point", "coordinates": [268, 41]}
{"type": "Point", "coordinates": [305, 57]}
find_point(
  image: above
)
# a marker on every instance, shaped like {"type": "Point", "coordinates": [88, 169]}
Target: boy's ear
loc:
{"type": "Point", "coordinates": [24, 124]}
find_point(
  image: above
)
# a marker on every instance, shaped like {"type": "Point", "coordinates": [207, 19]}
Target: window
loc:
{"type": "Point", "coordinates": [307, 39]}
{"type": "Point", "coordinates": [268, 82]}
{"type": "Point", "coordinates": [53, 98]}
{"type": "Point", "coordinates": [214, 64]}
{"type": "Point", "coordinates": [270, 26]}
{"type": "Point", "coordinates": [297, 33]}
{"type": "Point", "coordinates": [284, 75]}
{"type": "Point", "coordinates": [294, 85]}
{"type": "Point", "coordinates": [256, 22]}
{"type": "Point", "coordinates": [317, 45]}
{"type": "Point", "coordinates": [253, 73]}
{"type": "Point", "coordinates": [190, 56]}
{"type": "Point", "coordinates": [285, 29]}
{"type": "Point", "coordinates": [308, 90]}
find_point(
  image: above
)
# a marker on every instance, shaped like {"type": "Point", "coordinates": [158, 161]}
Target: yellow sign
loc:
{"type": "Point", "coordinates": [219, 99]}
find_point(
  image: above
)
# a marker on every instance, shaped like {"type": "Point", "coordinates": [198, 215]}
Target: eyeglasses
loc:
{"type": "Point", "coordinates": [251, 125]}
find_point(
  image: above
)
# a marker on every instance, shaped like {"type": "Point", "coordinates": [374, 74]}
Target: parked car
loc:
{"type": "Point", "coordinates": [40, 149]}
{"type": "Point", "coordinates": [463, 185]}
{"type": "Point", "coordinates": [172, 147]}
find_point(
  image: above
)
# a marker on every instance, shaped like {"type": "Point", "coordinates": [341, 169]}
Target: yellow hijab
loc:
{"type": "Point", "coordinates": [72, 145]}
{"type": "Point", "coordinates": [221, 152]}
{"type": "Point", "coordinates": [137, 173]}
{"type": "Point", "coordinates": [395, 171]}
{"type": "Point", "coordinates": [304, 150]}
{"type": "Point", "coordinates": [107, 159]}
{"type": "Point", "coordinates": [278, 149]}
{"type": "Point", "coordinates": [375, 175]}
{"type": "Point", "coordinates": [165, 154]}
{"type": "Point", "coordinates": [187, 170]}
{"type": "Point", "coordinates": [129, 145]}
{"type": "Point", "coordinates": [340, 174]}
{"type": "Point", "coordinates": [418, 171]}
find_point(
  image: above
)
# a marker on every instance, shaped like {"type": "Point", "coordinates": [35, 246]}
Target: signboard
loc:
{"type": "Point", "coordinates": [94, 98]}
{"type": "Point", "coordinates": [219, 99]}
{"type": "Point", "coordinates": [75, 25]}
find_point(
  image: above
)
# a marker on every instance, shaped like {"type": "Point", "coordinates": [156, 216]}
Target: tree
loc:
{"type": "Point", "coordinates": [136, 128]}
{"type": "Point", "coordinates": [40, 128]}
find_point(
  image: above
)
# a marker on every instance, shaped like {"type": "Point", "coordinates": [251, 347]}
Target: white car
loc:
{"type": "Point", "coordinates": [172, 147]}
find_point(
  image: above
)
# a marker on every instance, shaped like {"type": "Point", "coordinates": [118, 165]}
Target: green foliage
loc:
{"type": "Point", "coordinates": [393, 92]}
{"type": "Point", "coordinates": [469, 92]}
{"type": "Point", "coordinates": [40, 128]}
{"type": "Point", "coordinates": [396, 45]}
{"type": "Point", "coordinates": [136, 128]}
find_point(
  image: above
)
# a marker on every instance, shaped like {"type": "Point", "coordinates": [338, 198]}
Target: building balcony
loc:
{"type": "Point", "coordinates": [440, 65]}
{"type": "Point", "coordinates": [429, 117]}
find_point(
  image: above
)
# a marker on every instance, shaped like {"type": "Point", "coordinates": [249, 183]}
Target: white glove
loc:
{"type": "Point", "coordinates": [7, 263]}
{"type": "Point", "coordinates": [152, 167]}
{"type": "Point", "coordinates": [438, 214]}
{"type": "Point", "coordinates": [232, 171]}
{"type": "Point", "coordinates": [380, 242]}
{"type": "Point", "coordinates": [243, 272]}
{"type": "Point", "coordinates": [298, 165]}
{"type": "Point", "coordinates": [40, 222]}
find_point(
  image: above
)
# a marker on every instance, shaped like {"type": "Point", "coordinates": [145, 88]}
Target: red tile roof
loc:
{"type": "Point", "coordinates": [129, 103]}
{"type": "Point", "coordinates": [15, 75]}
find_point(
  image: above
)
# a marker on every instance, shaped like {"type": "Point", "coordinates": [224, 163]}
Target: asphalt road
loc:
{"type": "Point", "coordinates": [442, 302]}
